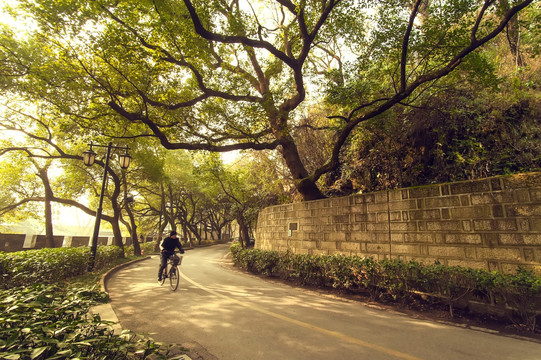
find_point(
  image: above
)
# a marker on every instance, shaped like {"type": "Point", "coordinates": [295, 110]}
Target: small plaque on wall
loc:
{"type": "Point", "coordinates": [292, 227]}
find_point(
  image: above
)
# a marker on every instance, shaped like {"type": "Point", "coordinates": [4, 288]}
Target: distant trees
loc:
{"type": "Point", "coordinates": [161, 189]}
{"type": "Point", "coordinates": [199, 195]}
{"type": "Point", "coordinates": [240, 191]}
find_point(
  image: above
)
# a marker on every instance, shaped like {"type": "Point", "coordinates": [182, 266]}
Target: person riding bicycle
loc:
{"type": "Point", "coordinates": [168, 246]}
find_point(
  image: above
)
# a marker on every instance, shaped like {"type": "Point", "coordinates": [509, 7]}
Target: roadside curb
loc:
{"type": "Point", "coordinates": [109, 273]}
{"type": "Point", "coordinates": [105, 311]}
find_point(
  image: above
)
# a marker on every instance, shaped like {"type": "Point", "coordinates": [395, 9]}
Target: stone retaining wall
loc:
{"type": "Point", "coordinates": [493, 223]}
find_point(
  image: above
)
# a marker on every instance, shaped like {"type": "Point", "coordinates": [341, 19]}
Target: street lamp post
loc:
{"type": "Point", "coordinates": [89, 156]}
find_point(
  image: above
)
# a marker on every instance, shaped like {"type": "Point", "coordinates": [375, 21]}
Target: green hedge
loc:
{"type": "Point", "coordinates": [40, 322]}
{"type": "Point", "coordinates": [43, 318]}
{"type": "Point", "coordinates": [47, 322]}
{"type": "Point", "coordinates": [401, 281]}
{"type": "Point", "coordinates": [46, 266]}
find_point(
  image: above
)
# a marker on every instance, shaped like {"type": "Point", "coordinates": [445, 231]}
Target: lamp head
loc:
{"type": "Point", "coordinates": [89, 157]}
{"type": "Point", "coordinates": [124, 159]}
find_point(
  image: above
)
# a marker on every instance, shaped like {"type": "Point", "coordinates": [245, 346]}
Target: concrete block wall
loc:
{"type": "Point", "coordinates": [492, 224]}
{"type": "Point", "coordinates": [19, 242]}
{"type": "Point", "coordinates": [11, 242]}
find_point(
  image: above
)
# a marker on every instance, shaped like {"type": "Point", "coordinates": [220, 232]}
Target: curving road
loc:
{"type": "Point", "coordinates": [221, 313]}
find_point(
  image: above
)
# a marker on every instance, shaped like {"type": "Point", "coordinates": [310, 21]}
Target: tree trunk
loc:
{"type": "Point", "coordinates": [117, 233]}
{"type": "Point", "coordinates": [133, 226]}
{"type": "Point", "coordinates": [229, 231]}
{"type": "Point", "coordinates": [159, 237]}
{"type": "Point", "coordinates": [513, 35]}
{"type": "Point", "coordinates": [513, 38]}
{"type": "Point", "coordinates": [187, 235]}
{"type": "Point", "coordinates": [195, 232]}
{"type": "Point", "coordinates": [157, 243]}
{"type": "Point", "coordinates": [49, 236]}
{"type": "Point", "coordinates": [306, 187]}
{"type": "Point", "coordinates": [133, 232]}
{"type": "Point", "coordinates": [136, 245]}
{"type": "Point", "coordinates": [244, 234]}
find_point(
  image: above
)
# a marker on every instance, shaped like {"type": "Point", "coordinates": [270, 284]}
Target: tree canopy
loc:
{"type": "Point", "coordinates": [217, 75]}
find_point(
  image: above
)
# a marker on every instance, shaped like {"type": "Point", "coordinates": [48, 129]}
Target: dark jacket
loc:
{"type": "Point", "coordinates": [169, 244]}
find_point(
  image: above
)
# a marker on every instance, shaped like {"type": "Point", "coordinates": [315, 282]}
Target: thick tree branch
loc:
{"type": "Point", "coordinates": [235, 39]}
{"type": "Point", "coordinates": [167, 56]}
{"type": "Point", "coordinates": [162, 137]}
{"type": "Point", "coordinates": [11, 207]}
{"type": "Point", "coordinates": [68, 202]}
{"type": "Point", "coordinates": [473, 36]}
{"type": "Point", "coordinates": [405, 43]}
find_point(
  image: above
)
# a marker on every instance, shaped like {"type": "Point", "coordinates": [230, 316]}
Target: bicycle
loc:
{"type": "Point", "coordinates": [171, 271]}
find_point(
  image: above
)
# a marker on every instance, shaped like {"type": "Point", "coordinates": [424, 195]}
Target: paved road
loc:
{"type": "Point", "coordinates": [225, 314]}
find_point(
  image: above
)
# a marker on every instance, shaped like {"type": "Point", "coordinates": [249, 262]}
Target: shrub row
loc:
{"type": "Point", "coordinates": [402, 281]}
{"type": "Point", "coordinates": [42, 318]}
{"type": "Point", "coordinates": [47, 322]}
{"type": "Point", "coordinates": [45, 266]}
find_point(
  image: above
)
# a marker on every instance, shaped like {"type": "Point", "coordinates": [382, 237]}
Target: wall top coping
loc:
{"type": "Point", "coordinates": [491, 184]}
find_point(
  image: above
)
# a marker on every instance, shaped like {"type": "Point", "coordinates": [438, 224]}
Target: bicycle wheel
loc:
{"type": "Point", "coordinates": [164, 275]}
{"type": "Point", "coordinates": [173, 278]}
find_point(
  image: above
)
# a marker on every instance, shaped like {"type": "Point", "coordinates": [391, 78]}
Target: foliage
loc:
{"type": "Point", "coordinates": [454, 284]}
{"type": "Point", "coordinates": [521, 291]}
{"type": "Point", "coordinates": [464, 133]}
{"type": "Point", "coordinates": [51, 319]}
{"type": "Point", "coordinates": [17, 182]}
{"type": "Point", "coordinates": [47, 322]}
{"type": "Point", "coordinates": [46, 266]}
{"type": "Point", "coordinates": [236, 192]}
{"type": "Point", "coordinates": [174, 193]}
{"type": "Point", "coordinates": [148, 247]}
{"type": "Point", "coordinates": [106, 255]}
{"type": "Point", "coordinates": [220, 76]}
{"type": "Point", "coordinates": [401, 281]}
{"type": "Point", "coordinates": [482, 120]}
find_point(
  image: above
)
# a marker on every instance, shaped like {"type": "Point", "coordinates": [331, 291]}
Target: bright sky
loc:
{"type": "Point", "coordinates": [6, 18]}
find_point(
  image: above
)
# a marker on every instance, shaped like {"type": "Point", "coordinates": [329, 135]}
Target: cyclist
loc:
{"type": "Point", "coordinates": [168, 246]}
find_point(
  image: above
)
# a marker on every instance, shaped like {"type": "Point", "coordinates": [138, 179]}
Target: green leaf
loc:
{"type": "Point", "coordinates": [37, 352]}
{"type": "Point", "coordinates": [85, 343]}
{"type": "Point", "coordinates": [12, 339]}
{"type": "Point", "coordinates": [12, 357]}
{"type": "Point", "coordinates": [65, 353]}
